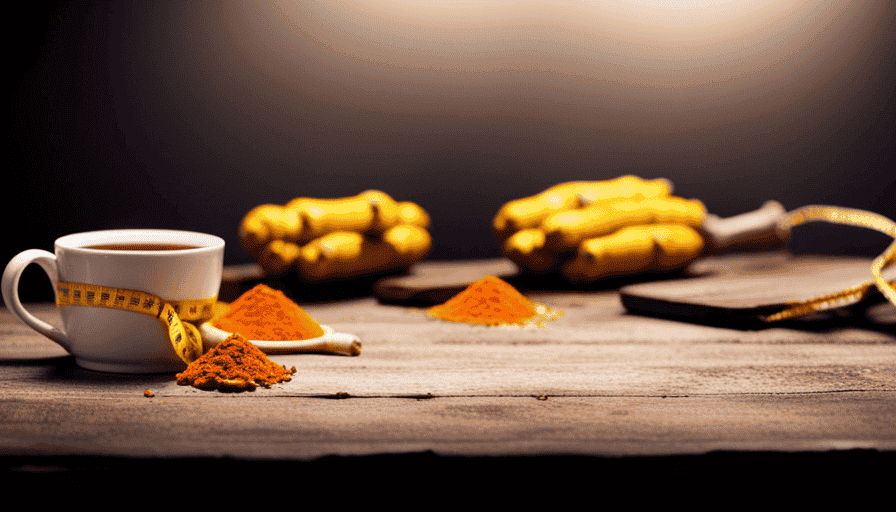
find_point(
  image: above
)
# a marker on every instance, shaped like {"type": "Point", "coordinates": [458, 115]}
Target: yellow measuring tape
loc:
{"type": "Point", "coordinates": [852, 295]}
{"type": "Point", "coordinates": [178, 316]}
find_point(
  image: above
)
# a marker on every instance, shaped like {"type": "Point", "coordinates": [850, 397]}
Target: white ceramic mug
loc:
{"type": "Point", "coordinates": [115, 340]}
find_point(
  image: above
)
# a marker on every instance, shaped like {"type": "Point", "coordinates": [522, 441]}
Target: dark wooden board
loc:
{"type": "Point", "coordinates": [743, 288]}
{"type": "Point", "coordinates": [435, 282]}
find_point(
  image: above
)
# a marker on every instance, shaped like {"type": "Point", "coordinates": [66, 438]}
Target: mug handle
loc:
{"type": "Point", "coordinates": [10, 289]}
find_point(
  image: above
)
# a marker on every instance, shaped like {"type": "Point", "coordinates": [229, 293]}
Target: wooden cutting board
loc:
{"type": "Point", "coordinates": [434, 282]}
{"type": "Point", "coordinates": [744, 287]}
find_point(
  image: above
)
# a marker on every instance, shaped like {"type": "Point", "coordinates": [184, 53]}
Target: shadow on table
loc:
{"type": "Point", "coordinates": [65, 369]}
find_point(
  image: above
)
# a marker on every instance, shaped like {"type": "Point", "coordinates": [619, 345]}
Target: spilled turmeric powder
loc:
{"type": "Point", "coordinates": [234, 365]}
{"type": "Point", "coordinates": [491, 301]}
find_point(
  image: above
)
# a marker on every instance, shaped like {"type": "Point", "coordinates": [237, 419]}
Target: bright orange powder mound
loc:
{"type": "Point", "coordinates": [489, 301]}
{"type": "Point", "coordinates": [234, 365]}
{"type": "Point", "coordinates": [266, 314]}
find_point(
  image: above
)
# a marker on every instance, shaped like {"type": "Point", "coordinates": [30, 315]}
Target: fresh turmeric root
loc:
{"type": "Point", "coordinates": [564, 231]}
{"type": "Point", "coordinates": [529, 212]}
{"type": "Point", "coordinates": [412, 213]}
{"type": "Point", "coordinates": [303, 219]}
{"type": "Point", "coordinates": [527, 249]}
{"type": "Point", "coordinates": [336, 238]}
{"type": "Point", "coordinates": [634, 249]}
{"type": "Point", "coordinates": [344, 254]}
{"type": "Point", "coordinates": [266, 223]}
{"type": "Point", "coordinates": [589, 230]}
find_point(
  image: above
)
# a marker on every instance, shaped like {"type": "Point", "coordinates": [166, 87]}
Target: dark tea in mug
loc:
{"type": "Point", "coordinates": [140, 247]}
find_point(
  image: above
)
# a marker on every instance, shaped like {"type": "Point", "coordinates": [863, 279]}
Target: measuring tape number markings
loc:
{"type": "Point", "coordinates": [178, 316]}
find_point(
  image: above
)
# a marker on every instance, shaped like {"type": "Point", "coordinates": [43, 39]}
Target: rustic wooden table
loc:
{"type": "Point", "coordinates": [598, 384]}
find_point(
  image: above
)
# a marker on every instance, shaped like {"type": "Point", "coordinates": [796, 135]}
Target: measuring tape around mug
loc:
{"type": "Point", "coordinates": [178, 316]}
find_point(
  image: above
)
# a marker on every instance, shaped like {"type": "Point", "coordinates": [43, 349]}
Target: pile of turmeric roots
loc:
{"type": "Point", "coordinates": [337, 238]}
{"type": "Point", "coordinates": [583, 230]}
{"type": "Point", "coordinates": [588, 230]}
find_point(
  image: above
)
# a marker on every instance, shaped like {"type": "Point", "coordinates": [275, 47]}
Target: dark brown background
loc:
{"type": "Point", "coordinates": [185, 115]}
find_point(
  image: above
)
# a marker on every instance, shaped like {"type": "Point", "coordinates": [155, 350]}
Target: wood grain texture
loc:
{"type": "Point", "coordinates": [260, 427]}
{"type": "Point", "coordinates": [598, 381]}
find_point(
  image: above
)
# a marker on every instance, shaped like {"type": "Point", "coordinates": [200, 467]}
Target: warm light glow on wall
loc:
{"type": "Point", "coordinates": [462, 105]}
{"type": "Point", "coordinates": [650, 52]}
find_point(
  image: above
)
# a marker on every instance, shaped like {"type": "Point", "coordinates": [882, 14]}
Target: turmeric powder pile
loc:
{"type": "Point", "coordinates": [264, 313]}
{"type": "Point", "coordinates": [234, 365]}
{"type": "Point", "coordinates": [587, 230]}
{"type": "Point", "coordinates": [491, 301]}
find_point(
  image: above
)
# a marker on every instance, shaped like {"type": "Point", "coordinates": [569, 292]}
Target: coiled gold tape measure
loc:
{"type": "Point", "coordinates": [178, 316]}
{"type": "Point", "coordinates": [850, 217]}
